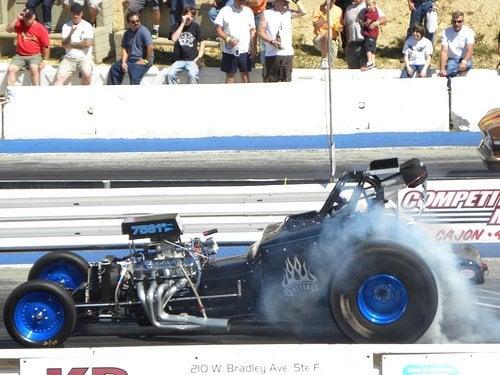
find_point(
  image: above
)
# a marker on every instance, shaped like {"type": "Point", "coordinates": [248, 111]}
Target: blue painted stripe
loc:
{"type": "Point", "coordinates": [365, 140]}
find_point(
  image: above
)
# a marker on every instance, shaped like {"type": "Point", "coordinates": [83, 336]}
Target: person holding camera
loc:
{"type": "Point", "coordinates": [275, 28]}
{"type": "Point", "coordinates": [32, 47]}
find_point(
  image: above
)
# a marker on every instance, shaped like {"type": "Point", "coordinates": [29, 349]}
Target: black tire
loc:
{"type": "Point", "coordinates": [59, 314]}
{"type": "Point", "coordinates": [76, 266]}
{"type": "Point", "coordinates": [415, 282]}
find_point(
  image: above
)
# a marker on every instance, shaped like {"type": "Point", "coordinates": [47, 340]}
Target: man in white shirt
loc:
{"type": "Point", "coordinates": [235, 24]}
{"type": "Point", "coordinates": [77, 39]}
{"type": "Point", "coordinates": [275, 28]}
{"type": "Point", "coordinates": [457, 45]}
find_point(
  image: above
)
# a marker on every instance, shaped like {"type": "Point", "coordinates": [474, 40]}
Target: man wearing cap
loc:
{"type": "Point", "coordinates": [93, 7]}
{"type": "Point", "coordinates": [77, 38]}
{"type": "Point", "coordinates": [32, 49]}
{"type": "Point", "coordinates": [275, 28]}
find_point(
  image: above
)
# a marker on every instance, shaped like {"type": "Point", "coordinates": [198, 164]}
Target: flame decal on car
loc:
{"type": "Point", "coordinates": [297, 278]}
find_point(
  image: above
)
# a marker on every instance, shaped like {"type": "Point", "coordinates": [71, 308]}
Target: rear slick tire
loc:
{"type": "Point", "coordinates": [384, 293]}
{"type": "Point", "coordinates": [39, 314]}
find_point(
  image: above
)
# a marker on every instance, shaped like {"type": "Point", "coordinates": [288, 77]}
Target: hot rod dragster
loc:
{"type": "Point", "coordinates": [372, 291]}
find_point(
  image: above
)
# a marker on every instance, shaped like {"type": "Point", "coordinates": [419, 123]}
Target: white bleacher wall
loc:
{"type": "Point", "coordinates": [374, 101]}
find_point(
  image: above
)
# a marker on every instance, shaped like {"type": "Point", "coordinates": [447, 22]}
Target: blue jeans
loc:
{"type": "Point", "coordinates": [452, 66]}
{"type": "Point", "coordinates": [182, 65]}
{"type": "Point", "coordinates": [135, 73]}
{"type": "Point", "coordinates": [418, 17]}
{"type": "Point", "coordinates": [416, 71]}
{"type": "Point", "coordinates": [212, 14]}
{"type": "Point", "coordinates": [46, 9]}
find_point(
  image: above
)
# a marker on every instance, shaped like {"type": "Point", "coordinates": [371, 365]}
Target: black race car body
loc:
{"type": "Point", "coordinates": [489, 148]}
{"type": "Point", "coordinates": [309, 271]}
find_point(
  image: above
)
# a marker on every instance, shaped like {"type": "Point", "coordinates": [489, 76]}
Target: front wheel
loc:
{"type": "Point", "coordinates": [383, 293]}
{"type": "Point", "coordinates": [39, 313]}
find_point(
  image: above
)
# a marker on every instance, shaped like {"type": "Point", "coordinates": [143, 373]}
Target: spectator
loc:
{"type": "Point", "coordinates": [498, 52]}
{"type": "Point", "coordinates": [235, 24]}
{"type": "Point", "coordinates": [77, 38]}
{"type": "Point", "coordinates": [217, 5]}
{"type": "Point", "coordinates": [370, 23]}
{"type": "Point", "coordinates": [136, 6]}
{"type": "Point", "coordinates": [276, 30]}
{"type": "Point", "coordinates": [32, 48]}
{"type": "Point", "coordinates": [418, 11]}
{"type": "Point", "coordinates": [457, 45]}
{"type": "Point", "coordinates": [258, 7]}
{"type": "Point", "coordinates": [417, 53]}
{"type": "Point", "coordinates": [186, 37]}
{"type": "Point", "coordinates": [354, 52]}
{"type": "Point", "coordinates": [176, 9]}
{"type": "Point", "coordinates": [320, 40]}
{"type": "Point", "coordinates": [46, 11]}
{"type": "Point", "coordinates": [137, 53]}
{"type": "Point", "coordinates": [93, 6]}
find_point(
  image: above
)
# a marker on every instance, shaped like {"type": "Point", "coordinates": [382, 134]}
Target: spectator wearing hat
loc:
{"type": "Point", "coordinates": [32, 48]}
{"type": "Point", "coordinates": [77, 38]}
{"type": "Point", "coordinates": [136, 55]}
{"type": "Point", "coordinates": [46, 11]}
{"type": "Point", "coordinates": [457, 45]}
{"type": "Point", "coordinates": [235, 24]}
{"type": "Point", "coordinates": [136, 6]}
{"type": "Point", "coordinates": [93, 6]}
{"type": "Point", "coordinates": [275, 29]}
{"type": "Point", "coordinates": [186, 36]}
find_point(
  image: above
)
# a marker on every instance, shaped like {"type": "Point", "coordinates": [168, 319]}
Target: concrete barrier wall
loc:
{"type": "Point", "coordinates": [472, 98]}
{"type": "Point", "coordinates": [153, 110]}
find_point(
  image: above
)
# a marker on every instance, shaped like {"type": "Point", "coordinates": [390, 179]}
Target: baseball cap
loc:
{"type": "Point", "coordinates": [28, 13]}
{"type": "Point", "coordinates": [76, 8]}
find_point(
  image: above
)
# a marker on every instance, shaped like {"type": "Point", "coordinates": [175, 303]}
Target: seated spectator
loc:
{"type": "Point", "coordinates": [276, 30]}
{"type": "Point", "coordinates": [370, 22]}
{"type": "Point", "coordinates": [457, 45]}
{"type": "Point", "coordinates": [136, 6]}
{"type": "Point", "coordinates": [217, 5]}
{"type": "Point", "coordinates": [46, 11]}
{"type": "Point", "coordinates": [93, 6]}
{"type": "Point", "coordinates": [320, 41]}
{"type": "Point", "coordinates": [417, 53]}
{"type": "Point", "coordinates": [176, 9]}
{"type": "Point", "coordinates": [137, 53]}
{"type": "Point", "coordinates": [186, 37]}
{"type": "Point", "coordinates": [418, 11]}
{"type": "Point", "coordinates": [77, 38]}
{"type": "Point", "coordinates": [32, 47]}
{"type": "Point", "coordinates": [235, 25]}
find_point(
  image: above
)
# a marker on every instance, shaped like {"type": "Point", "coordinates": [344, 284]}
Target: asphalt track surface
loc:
{"type": "Point", "coordinates": [177, 168]}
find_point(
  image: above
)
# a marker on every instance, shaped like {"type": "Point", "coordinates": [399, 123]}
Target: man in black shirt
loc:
{"type": "Point", "coordinates": [186, 36]}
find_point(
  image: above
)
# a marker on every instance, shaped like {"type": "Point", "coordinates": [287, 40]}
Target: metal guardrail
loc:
{"type": "Point", "coordinates": [44, 219]}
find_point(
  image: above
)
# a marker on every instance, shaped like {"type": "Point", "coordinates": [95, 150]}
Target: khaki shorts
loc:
{"type": "Point", "coordinates": [24, 62]}
{"type": "Point", "coordinates": [68, 66]}
{"type": "Point", "coordinates": [334, 47]}
{"type": "Point", "coordinates": [90, 3]}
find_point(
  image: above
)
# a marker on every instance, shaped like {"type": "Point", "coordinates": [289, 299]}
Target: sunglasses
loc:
{"type": "Point", "coordinates": [457, 21]}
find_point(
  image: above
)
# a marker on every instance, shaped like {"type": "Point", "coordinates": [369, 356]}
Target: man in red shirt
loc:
{"type": "Point", "coordinates": [33, 47]}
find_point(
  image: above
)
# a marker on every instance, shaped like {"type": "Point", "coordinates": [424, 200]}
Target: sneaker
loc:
{"type": "Point", "coordinates": [368, 66]}
{"type": "Point", "coordinates": [323, 64]}
{"type": "Point", "coordinates": [154, 34]}
{"type": "Point", "coordinates": [48, 27]}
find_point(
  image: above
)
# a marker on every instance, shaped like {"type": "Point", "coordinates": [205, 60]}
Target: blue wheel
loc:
{"type": "Point", "coordinates": [62, 267]}
{"type": "Point", "coordinates": [383, 293]}
{"type": "Point", "coordinates": [382, 299]}
{"type": "Point", "coordinates": [39, 313]}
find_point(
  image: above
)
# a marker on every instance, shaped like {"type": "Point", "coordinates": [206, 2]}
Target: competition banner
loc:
{"type": "Point", "coordinates": [206, 360]}
{"type": "Point", "coordinates": [456, 211]}
{"type": "Point", "coordinates": [440, 364]}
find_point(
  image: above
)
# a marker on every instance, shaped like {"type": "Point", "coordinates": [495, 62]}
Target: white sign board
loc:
{"type": "Point", "coordinates": [457, 211]}
{"type": "Point", "coordinates": [206, 360]}
{"type": "Point", "coordinates": [440, 364]}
